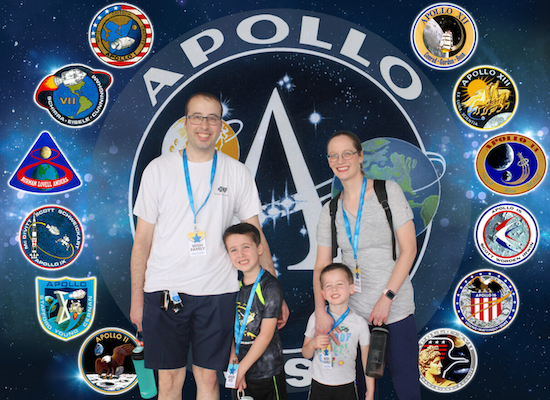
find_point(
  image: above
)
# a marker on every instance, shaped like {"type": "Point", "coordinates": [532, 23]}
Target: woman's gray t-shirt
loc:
{"type": "Point", "coordinates": [374, 250]}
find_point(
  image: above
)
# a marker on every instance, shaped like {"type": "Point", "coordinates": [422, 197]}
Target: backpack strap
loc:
{"type": "Point", "coordinates": [333, 208]}
{"type": "Point", "coordinates": [380, 190]}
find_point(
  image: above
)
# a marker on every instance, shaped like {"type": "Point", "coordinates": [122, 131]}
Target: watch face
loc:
{"type": "Point", "coordinates": [390, 294]}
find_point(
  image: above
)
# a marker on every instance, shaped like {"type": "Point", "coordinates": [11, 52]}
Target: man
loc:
{"type": "Point", "coordinates": [185, 202]}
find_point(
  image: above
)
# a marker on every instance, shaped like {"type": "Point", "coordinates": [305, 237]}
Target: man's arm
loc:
{"type": "Point", "coordinates": [267, 263]}
{"type": "Point", "coordinates": [138, 264]}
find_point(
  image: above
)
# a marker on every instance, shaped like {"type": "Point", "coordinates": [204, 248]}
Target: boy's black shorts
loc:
{"type": "Point", "coordinates": [273, 388]}
{"type": "Point", "coordinates": [318, 391]}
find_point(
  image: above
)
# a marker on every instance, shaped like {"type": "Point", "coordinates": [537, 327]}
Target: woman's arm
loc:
{"type": "Point", "coordinates": [406, 238]}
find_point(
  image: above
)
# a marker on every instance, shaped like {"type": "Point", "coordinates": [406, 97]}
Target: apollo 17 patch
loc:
{"type": "Point", "coordinates": [506, 234]}
{"type": "Point", "coordinates": [485, 98]}
{"type": "Point", "coordinates": [51, 237]}
{"type": "Point", "coordinates": [121, 35]}
{"type": "Point", "coordinates": [444, 36]}
{"type": "Point", "coordinates": [105, 361]}
{"type": "Point", "coordinates": [486, 302]}
{"type": "Point", "coordinates": [511, 164]}
{"type": "Point", "coordinates": [447, 360]}
{"type": "Point", "coordinates": [66, 306]}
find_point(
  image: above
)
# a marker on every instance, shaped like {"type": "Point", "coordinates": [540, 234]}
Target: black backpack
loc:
{"type": "Point", "coordinates": [380, 190]}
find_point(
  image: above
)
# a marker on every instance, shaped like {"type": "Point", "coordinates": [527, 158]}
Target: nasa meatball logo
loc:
{"type": "Point", "coordinates": [75, 95]}
{"type": "Point", "coordinates": [444, 36]}
{"type": "Point", "coordinates": [51, 237]}
{"type": "Point", "coordinates": [447, 360]}
{"type": "Point", "coordinates": [486, 302]}
{"type": "Point", "coordinates": [66, 306]}
{"type": "Point", "coordinates": [45, 170]}
{"type": "Point", "coordinates": [121, 35]}
{"type": "Point", "coordinates": [105, 361]}
{"type": "Point", "coordinates": [485, 98]}
{"type": "Point", "coordinates": [506, 234]}
{"type": "Point", "coordinates": [511, 164]}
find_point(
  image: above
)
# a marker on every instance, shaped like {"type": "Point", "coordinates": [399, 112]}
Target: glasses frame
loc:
{"type": "Point", "coordinates": [202, 118]}
{"type": "Point", "coordinates": [335, 157]}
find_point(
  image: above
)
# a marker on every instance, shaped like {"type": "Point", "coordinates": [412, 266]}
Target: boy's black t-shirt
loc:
{"type": "Point", "coordinates": [271, 362]}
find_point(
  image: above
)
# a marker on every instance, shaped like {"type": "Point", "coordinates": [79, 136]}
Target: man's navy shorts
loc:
{"type": "Point", "coordinates": [205, 323]}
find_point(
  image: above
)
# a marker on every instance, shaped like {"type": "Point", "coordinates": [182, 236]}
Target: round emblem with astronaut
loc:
{"type": "Point", "coordinates": [51, 237]}
{"type": "Point", "coordinates": [121, 35]}
{"type": "Point", "coordinates": [444, 36]}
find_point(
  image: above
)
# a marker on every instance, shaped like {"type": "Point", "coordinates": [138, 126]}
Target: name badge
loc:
{"type": "Point", "coordinates": [357, 279]}
{"type": "Point", "coordinates": [197, 243]}
{"type": "Point", "coordinates": [231, 379]}
{"type": "Point", "coordinates": [326, 358]}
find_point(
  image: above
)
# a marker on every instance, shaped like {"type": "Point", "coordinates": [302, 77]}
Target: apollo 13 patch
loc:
{"type": "Point", "coordinates": [444, 36]}
{"type": "Point", "coordinates": [486, 302]}
{"type": "Point", "coordinates": [511, 164]}
{"type": "Point", "coordinates": [485, 98]}
{"type": "Point", "coordinates": [447, 360]}
{"type": "Point", "coordinates": [506, 234]}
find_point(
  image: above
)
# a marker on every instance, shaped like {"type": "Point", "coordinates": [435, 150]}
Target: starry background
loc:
{"type": "Point", "coordinates": [38, 39]}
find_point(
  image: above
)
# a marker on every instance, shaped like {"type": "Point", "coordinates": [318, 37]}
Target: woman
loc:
{"type": "Point", "coordinates": [429, 361]}
{"type": "Point", "coordinates": [384, 293]}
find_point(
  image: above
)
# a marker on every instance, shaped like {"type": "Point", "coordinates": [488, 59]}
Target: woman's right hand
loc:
{"type": "Point", "coordinates": [323, 324]}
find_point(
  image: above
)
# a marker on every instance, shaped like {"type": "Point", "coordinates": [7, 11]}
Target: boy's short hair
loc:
{"type": "Point", "coordinates": [244, 228]}
{"type": "Point", "coordinates": [334, 267]}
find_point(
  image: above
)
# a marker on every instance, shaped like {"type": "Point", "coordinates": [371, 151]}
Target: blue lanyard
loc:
{"type": "Point", "coordinates": [340, 320]}
{"type": "Point", "coordinates": [240, 328]}
{"type": "Point", "coordinates": [355, 240]}
{"type": "Point", "coordinates": [188, 183]}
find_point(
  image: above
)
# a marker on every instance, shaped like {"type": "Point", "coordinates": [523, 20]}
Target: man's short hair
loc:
{"type": "Point", "coordinates": [334, 267]}
{"type": "Point", "coordinates": [244, 228]}
{"type": "Point", "coordinates": [205, 95]}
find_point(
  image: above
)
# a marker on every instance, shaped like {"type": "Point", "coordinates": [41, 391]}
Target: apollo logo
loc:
{"type": "Point", "coordinates": [287, 80]}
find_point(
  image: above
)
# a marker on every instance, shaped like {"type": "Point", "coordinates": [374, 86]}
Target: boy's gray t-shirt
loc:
{"type": "Point", "coordinates": [353, 330]}
{"type": "Point", "coordinates": [375, 250]}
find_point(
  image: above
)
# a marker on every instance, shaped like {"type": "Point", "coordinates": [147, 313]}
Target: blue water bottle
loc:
{"type": "Point", "coordinates": [145, 376]}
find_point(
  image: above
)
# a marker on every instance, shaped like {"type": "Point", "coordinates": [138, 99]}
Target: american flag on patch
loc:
{"type": "Point", "coordinates": [486, 306]}
{"type": "Point", "coordinates": [442, 345]}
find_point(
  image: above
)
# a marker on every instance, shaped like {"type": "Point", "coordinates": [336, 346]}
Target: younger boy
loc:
{"type": "Point", "coordinates": [257, 348]}
{"type": "Point", "coordinates": [333, 366]}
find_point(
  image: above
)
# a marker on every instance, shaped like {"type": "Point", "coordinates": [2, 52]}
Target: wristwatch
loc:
{"type": "Point", "coordinates": [389, 294]}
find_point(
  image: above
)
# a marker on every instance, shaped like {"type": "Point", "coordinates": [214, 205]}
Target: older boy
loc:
{"type": "Point", "coordinates": [257, 348]}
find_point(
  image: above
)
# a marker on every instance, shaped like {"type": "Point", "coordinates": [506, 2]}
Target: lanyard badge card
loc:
{"type": "Point", "coordinates": [197, 239]}
{"type": "Point", "coordinates": [231, 380]}
{"type": "Point", "coordinates": [354, 240]}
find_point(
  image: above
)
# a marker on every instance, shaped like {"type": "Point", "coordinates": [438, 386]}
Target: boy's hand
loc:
{"type": "Point", "coordinates": [321, 341]}
{"type": "Point", "coordinates": [241, 381]}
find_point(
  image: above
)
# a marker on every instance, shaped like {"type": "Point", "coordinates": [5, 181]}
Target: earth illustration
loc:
{"type": "Point", "coordinates": [77, 101]}
{"type": "Point", "coordinates": [400, 161]}
{"type": "Point", "coordinates": [45, 172]}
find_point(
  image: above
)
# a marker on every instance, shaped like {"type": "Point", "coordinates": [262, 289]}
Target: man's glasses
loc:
{"type": "Point", "coordinates": [346, 155]}
{"type": "Point", "coordinates": [196, 119]}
